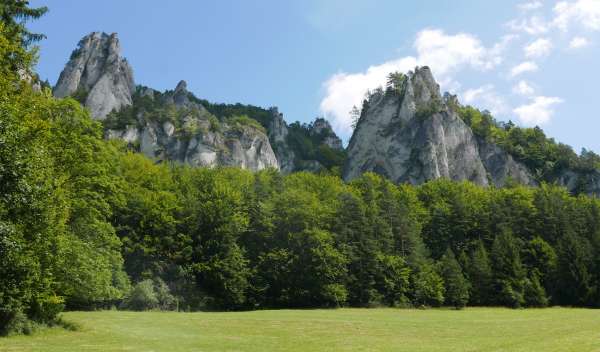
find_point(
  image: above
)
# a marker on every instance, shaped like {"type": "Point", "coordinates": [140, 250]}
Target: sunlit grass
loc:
{"type": "Point", "coordinates": [475, 329]}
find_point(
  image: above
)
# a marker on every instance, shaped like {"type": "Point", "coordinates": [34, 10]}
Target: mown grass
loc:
{"type": "Point", "coordinates": [475, 329]}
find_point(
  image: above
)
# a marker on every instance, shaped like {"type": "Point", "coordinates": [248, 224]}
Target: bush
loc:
{"type": "Point", "coordinates": [14, 322]}
{"type": "Point", "coordinates": [142, 297]}
{"type": "Point", "coordinates": [47, 309]}
{"type": "Point", "coordinates": [238, 122]}
{"type": "Point", "coordinates": [166, 301]}
{"type": "Point", "coordinates": [151, 294]}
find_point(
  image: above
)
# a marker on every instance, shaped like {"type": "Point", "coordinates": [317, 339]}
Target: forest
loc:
{"type": "Point", "coordinates": [87, 224]}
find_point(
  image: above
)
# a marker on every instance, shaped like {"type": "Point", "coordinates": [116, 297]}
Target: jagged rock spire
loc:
{"type": "Point", "coordinates": [97, 74]}
{"type": "Point", "coordinates": [410, 134]}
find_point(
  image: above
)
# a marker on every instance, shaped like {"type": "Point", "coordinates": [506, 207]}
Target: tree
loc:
{"type": "Point", "coordinates": [574, 278]}
{"type": "Point", "coordinates": [31, 206]}
{"type": "Point", "coordinates": [355, 240]}
{"type": "Point", "coordinates": [14, 15]}
{"type": "Point", "coordinates": [427, 286]}
{"type": "Point", "coordinates": [479, 272]}
{"type": "Point", "coordinates": [535, 294]}
{"type": "Point", "coordinates": [214, 218]}
{"type": "Point", "coordinates": [306, 272]}
{"type": "Point", "coordinates": [540, 261]}
{"type": "Point", "coordinates": [393, 281]}
{"type": "Point", "coordinates": [456, 285]}
{"type": "Point", "coordinates": [507, 270]}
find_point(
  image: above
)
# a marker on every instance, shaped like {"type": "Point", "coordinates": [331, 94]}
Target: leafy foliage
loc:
{"type": "Point", "coordinates": [547, 158]}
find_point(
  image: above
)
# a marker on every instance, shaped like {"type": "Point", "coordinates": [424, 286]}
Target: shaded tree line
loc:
{"type": "Point", "coordinates": [237, 240]}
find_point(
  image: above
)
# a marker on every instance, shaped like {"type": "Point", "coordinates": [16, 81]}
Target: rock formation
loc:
{"type": "Point", "coordinates": [175, 125]}
{"type": "Point", "coordinates": [321, 128]}
{"type": "Point", "coordinates": [183, 130]}
{"type": "Point", "coordinates": [278, 133]}
{"type": "Point", "coordinates": [410, 133]}
{"type": "Point", "coordinates": [97, 75]}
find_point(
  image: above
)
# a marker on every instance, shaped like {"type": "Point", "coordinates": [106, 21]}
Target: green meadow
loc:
{"type": "Point", "coordinates": [473, 329]}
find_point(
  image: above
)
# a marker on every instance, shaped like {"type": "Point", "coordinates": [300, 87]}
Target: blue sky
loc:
{"type": "Point", "coordinates": [534, 62]}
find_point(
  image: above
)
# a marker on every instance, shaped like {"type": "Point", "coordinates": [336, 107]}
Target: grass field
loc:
{"type": "Point", "coordinates": [476, 329]}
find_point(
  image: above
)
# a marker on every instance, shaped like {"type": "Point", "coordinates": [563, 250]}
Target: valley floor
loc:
{"type": "Point", "coordinates": [473, 329]}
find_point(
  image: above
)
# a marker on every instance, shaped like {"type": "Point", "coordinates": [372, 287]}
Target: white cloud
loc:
{"type": "Point", "coordinates": [539, 111]}
{"type": "Point", "coordinates": [346, 90]}
{"type": "Point", "coordinates": [523, 88]}
{"type": "Point", "coordinates": [539, 48]}
{"type": "Point", "coordinates": [533, 25]}
{"type": "Point", "coordinates": [485, 97]}
{"type": "Point", "coordinates": [581, 12]}
{"type": "Point", "coordinates": [527, 66]}
{"type": "Point", "coordinates": [529, 6]}
{"type": "Point", "coordinates": [444, 54]}
{"type": "Point", "coordinates": [578, 43]}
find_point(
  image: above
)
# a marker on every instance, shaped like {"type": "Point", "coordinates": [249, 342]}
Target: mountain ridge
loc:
{"type": "Point", "coordinates": [408, 132]}
{"type": "Point", "coordinates": [177, 126]}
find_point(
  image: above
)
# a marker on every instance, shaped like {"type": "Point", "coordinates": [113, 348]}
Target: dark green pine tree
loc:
{"type": "Point", "coordinates": [14, 13]}
{"type": "Point", "coordinates": [535, 294]}
{"type": "Point", "coordinates": [479, 272]}
{"type": "Point", "coordinates": [574, 277]}
{"type": "Point", "coordinates": [456, 285]}
{"type": "Point", "coordinates": [355, 239]}
{"type": "Point", "coordinates": [507, 271]}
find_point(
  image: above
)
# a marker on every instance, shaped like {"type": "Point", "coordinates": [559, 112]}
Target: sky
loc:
{"type": "Point", "coordinates": [530, 61]}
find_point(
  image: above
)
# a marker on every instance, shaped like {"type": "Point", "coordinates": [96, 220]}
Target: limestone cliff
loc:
{"type": "Point", "coordinates": [172, 127]}
{"type": "Point", "coordinates": [97, 75]}
{"type": "Point", "coordinates": [410, 133]}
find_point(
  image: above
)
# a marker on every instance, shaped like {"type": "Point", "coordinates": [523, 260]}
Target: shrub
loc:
{"type": "Point", "coordinates": [14, 322]}
{"type": "Point", "coordinates": [238, 122]}
{"type": "Point", "coordinates": [427, 110]}
{"type": "Point", "coordinates": [166, 301]}
{"type": "Point", "coordinates": [151, 294]}
{"type": "Point", "coordinates": [143, 296]}
{"type": "Point", "coordinates": [47, 309]}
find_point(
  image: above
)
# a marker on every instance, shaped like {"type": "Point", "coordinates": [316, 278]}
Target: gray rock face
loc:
{"type": "Point", "coordinates": [502, 167]}
{"type": "Point", "coordinates": [289, 161]}
{"type": "Point", "coordinates": [97, 72]}
{"type": "Point", "coordinates": [410, 133]}
{"type": "Point", "coordinates": [322, 127]}
{"type": "Point", "coordinates": [278, 132]}
{"type": "Point", "coordinates": [198, 141]}
{"type": "Point", "coordinates": [580, 182]}
{"type": "Point", "coordinates": [243, 147]}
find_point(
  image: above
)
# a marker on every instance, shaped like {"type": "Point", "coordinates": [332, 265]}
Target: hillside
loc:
{"type": "Point", "coordinates": [409, 132]}
{"type": "Point", "coordinates": [177, 126]}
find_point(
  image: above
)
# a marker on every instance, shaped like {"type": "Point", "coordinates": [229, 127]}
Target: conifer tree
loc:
{"type": "Point", "coordinates": [455, 283]}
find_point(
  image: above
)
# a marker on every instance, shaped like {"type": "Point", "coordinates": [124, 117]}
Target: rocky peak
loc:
{"type": "Point", "coordinates": [321, 127]}
{"type": "Point", "coordinates": [181, 87]}
{"type": "Point", "coordinates": [409, 133]}
{"type": "Point", "coordinates": [423, 86]}
{"type": "Point", "coordinates": [97, 75]}
{"type": "Point", "coordinates": [181, 94]}
{"type": "Point", "coordinates": [278, 132]}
